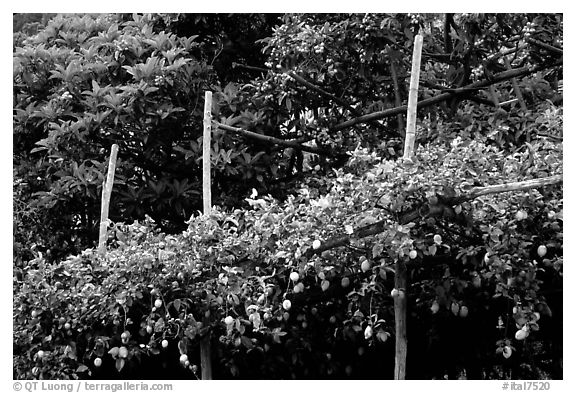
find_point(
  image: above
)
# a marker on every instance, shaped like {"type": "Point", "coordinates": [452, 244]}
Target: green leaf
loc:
{"type": "Point", "coordinates": [120, 362]}
{"type": "Point", "coordinates": [159, 325]}
{"type": "Point", "coordinates": [70, 351]}
{"type": "Point", "coordinates": [183, 346]}
{"type": "Point", "coordinates": [114, 351]}
{"type": "Point", "coordinates": [82, 368]}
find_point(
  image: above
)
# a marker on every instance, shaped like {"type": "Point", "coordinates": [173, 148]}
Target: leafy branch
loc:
{"type": "Point", "coordinates": [545, 46]}
{"type": "Point", "coordinates": [425, 210]}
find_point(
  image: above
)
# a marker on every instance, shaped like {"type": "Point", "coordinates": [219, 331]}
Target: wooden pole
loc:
{"type": "Point", "coordinates": [400, 283]}
{"type": "Point", "coordinates": [205, 350]}
{"type": "Point", "coordinates": [206, 160]}
{"type": "Point", "coordinates": [413, 98]}
{"type": "Point", "coordinates": [105, 205]}
{"type": "Point", "coordinates": [400, 279]}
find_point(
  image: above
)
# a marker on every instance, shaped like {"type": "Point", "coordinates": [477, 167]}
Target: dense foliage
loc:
{"type": "Point", "coordinates": [86, 82]}
{"type": "Point", "coordinates": [473, 283]}
{"type": "Point", "coordinates": [292, 275]}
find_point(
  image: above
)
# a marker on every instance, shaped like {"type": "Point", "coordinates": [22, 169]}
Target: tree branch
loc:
{"type": "Point", "coordinates": [277, 141]}
{"type": "Point", "coordinates": [397, 98]}
{"type": "Point", "coordinates": [251, 68]}
{"type": "Point", "coordinates": [448, 20]}
{"type": "Point", "coordinates": [555, 138]}
{"type": "Point", "coordinates": [498, 55]}
{"type": "Point", "coordinates": [331, 96]}
{"type": "Point", "coordinates": [545, 46]}
{"type": "Point", "coordinates": [445, 58]}
{"type": "Point", "coordinates": [480, 100]}
{"type": "Point", "coordinates": [453, 90]}
{"type": "Point", "coordinates": [469, 93]}
{"type": "Point", "coordinates": [503, 76]}
{"type": "Point", "coordinates": [516, 186]}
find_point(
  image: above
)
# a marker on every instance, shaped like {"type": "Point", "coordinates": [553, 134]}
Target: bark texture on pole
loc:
{"type": "Point", "coordinates": [105, 206]}
{"type": "Point", "coordinates": [413, 98]}
{"type": "Point", "coordinates": [205, 347]}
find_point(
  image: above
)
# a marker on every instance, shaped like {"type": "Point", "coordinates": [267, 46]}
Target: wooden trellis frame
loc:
{"type": "Point", "coordinates": [105, 206]}
{"type": "Point", "coordinates": [205, 347]}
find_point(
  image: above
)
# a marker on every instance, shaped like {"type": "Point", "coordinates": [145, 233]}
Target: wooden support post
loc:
{"type": "Point", "coordinates": [206, 352]}
{"type": "Point", "coordinates": [205, 347]}
{"type": "Point", "coordinates": [401, 284]}
{"type": "Point", "coordinates": [206, 159]}
{"type": "Point", "coordinates": [105, 205]}
{"type": "Point", "coordinates": [400, 279]}
{"type": "Point", "coordinates": [413, 98]}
